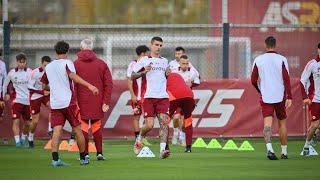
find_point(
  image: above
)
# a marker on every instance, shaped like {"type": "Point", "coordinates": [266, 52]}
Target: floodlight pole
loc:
{"type": "Point", "coordinates": [225, 41]}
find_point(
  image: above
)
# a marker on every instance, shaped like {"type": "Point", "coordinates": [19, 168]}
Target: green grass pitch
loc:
{"type": "Point", "coordinates": [121, 163]}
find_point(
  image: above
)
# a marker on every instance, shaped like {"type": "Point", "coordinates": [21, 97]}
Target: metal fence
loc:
{"type": "Point", "coordinates": [203, 43]}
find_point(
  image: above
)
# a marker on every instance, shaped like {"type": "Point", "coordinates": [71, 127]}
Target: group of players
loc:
{"type": "Point", "coordinates": [80, 92]}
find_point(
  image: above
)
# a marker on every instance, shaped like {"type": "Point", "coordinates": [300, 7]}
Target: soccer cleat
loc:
{"type": "Point", "coordinates": [24, 143]}
{"type": "Point", "coordinates": [271, 156]}
{"type": "Point", "coordinates": [31, 144]}
{"type": "Point", "coordinates": [100, 157]}
{"type": "Point", "coordinates": [87, 157]}
{"type": "Point", "coordinates": [145, 142]}
{"type": "Point", "coordinates": [84, 161]}
{"type": "Point", "coordinates": [137, 147]}
{"type": "Point", "coordinates": [18, 144]}
{"type": "Point", "coordinates": [58, 163]}
{"type": "Point", "coordinates": [164, 154]}
{"type": "Point", "coordinates": [306, 151]}
{"type": "Point", "coordinates": [188, 149]}
{"type": "Point", "coordinates": [283, 156]}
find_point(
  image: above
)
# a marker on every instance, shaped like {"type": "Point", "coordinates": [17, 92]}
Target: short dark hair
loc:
{"type": "Point", "coordinates": [156, 38]}
{"type": "Point", "coordinates": [61, 47]}
{"type": "Point", "coordinates": [142, 49]}
{"type": "Point", "coordinates": [45, 59]}
{"type": "Point", "coordinates": [21, 56]}
{"type": "Point", "coordinates": [184, 56]}
{"type": "Point", "coordinates": [270, 42]}
{"type": "Point", "coordinates": [319, 46]}
{"type": "Point", "coordinates": [180, 49]}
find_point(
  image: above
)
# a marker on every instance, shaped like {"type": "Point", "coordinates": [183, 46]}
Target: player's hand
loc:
{"type": "Point", "coordinates": [7, 97]}
{"type": "Point", "coordinates": [168, 71]}
{"type": "Point", "coordinates": [94, 90]}
{"type": "Point", "coordinates": [288, 103]}
{"type": "Point", "coordinates": [2, 104]}
{"type": "Point", "coordinates": [134, 99]}
{"type": "Point", "coordinates": [46, 93]}
{"type": "Point", "coordinates": [147, 68]}
{"type": "Point", "coordinates": [307, 101]}
{"type": "Point", "coordinates": [105, 107]}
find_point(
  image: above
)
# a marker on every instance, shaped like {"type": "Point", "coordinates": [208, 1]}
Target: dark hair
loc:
{"type": "Point", "coordinates": [61, 47]}
{"type": "Point", "coordinates": [156, 38]}
{"type": "Point", "coordinates": [142, 49]}
{"type": "Point", "coordinates": [21, 56]}
{"type": "Point", "coordinates": [180, 49]}
{"type": "Point", "coordinates": [45, 59]}
{"type": "Point", "coordinates": [270, 42]}
{"type": "Point", "coordinates": [184, 56]}
{"type": "Point", "coordinates": [319, 46]}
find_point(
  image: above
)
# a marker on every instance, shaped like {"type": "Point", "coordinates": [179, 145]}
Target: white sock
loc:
{"type": "Point", "coordinates": [317, 130]}
{"type": "Point", "coordinates": [23, 136]}
{"type": "Point", "coordinates": [49, 127]}
{"type": "Point", "coordinates": [284, 149]}
{"type": "Point", "coordinates": [31, 135]}
{"type": "Point", "coordinates": [307, 144]}
{"type": "Point", "coordinates": [182, 135]}
{"type": "Point", "coordinates": [139, 138]}
{"type": "Point", "coordinates": [269, 147]}
{"type": "Point", "coordinates": [175, 132]}
{"type": "Point", "coordinates": [17, 138]}
{"type": "Point", "coordinates": [162, 146]}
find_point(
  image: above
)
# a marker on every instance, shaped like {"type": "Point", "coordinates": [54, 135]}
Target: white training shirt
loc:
{"type": "Point", "coordinates": [312, 69]}
{"type": "Point", "coordinates": [271, 82]}
{"type": "Point", "coordinates": [156, 81]}
{"type": "Point", "coordinates": [19, 79]}
{"type": "Point", "coordinates": [174, 66]}
{"type": "Point", "coordinates": [59, 82]}
{"type": "Point", "coordinates": [3, 74]}
{"type": "Point", "coordinates": [139, 80]}
{"type": "Point", "coordinates": [35, 82]}
{"type": "Point", "coordinates": [188, 76]}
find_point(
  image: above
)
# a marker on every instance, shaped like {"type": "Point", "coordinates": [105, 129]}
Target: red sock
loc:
{"type": "Point", "coordinates": [86, 137]}
{"type": "Point", "coordinates": [189, 133]}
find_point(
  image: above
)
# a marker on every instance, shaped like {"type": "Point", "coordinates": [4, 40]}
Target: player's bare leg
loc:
{"type": "Point", "coordinates": [57, 131]}
{"type": "Point", "coordinates": [182, 134]}
{"type": "Point", "coordinates": [148, 125]}
{"type": "Point", "coordinates": [164, 131]}
{"type": "Point", "coordinates": [283, 138]}
{"type": "Point", "coordinates": [175, 121]}
{"type": "Point", "coordinates": [136, 128]}
{"type": "Point", "coordinates": [81, 144]}
{"type": "Point", "coordinates": [267, 132]}
{"type": "Point", "coordinates": [312, 128]}
{"type": "Point", "coordinates": [16, 132]}
{"type": "Point", "coordinates": [33, 126]}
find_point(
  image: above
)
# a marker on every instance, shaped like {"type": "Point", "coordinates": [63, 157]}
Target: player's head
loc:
{"type": "Point", "coordinates": [21, 60]}
{"type": "Point", "coordinates": [45, 60]}
{"type": "Point", "coordinates": [156, 45]}
{"type": "Point", "coordinates": [142, 50]}
{"type": "Point", "coordinates": [61, 48]}
{"type": "Point", "coordinates": [319, 49]}
{"type": "Point", "coordinates": [270, 42]}
{"type": "Point", "coordinates": [184, 62]}
{"type": "Point", "coordinates": [86, 44]}
{"type": "Point", "coordinates": [179, 52]}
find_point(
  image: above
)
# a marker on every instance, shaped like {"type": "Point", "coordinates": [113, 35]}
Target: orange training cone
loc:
{"type": "Point", "coordinates": [92, 147]}
{"type": "Point", "coordinates": [64, 146]}
{"type": "Point", "coordinates": [48, 145]}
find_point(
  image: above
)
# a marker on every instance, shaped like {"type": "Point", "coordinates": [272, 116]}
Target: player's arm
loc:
{"type": "Point", "coordinates": [255, 77]}
{"type": "Point", "coordinates": [304, 81]}
{"type": "Point", "coordinates": [195, 79]}
{"type": "Point", "coordinates": [6, 82]}
{"type": "Point", "coordinates": [140, 69]}
{"type": "Point", "coordinates": [286, 80]}
{"type": "Point", "coordinates": [31, 85]}
{"type": "Point", "coordinates": [45, 82]}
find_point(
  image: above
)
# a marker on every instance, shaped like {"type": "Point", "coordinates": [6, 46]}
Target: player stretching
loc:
{"type": "Point", "coordinates": [156, 102]}
{"type": "Point", "coordinates": [275, 90]}
{"type": "Point", "coordinates": [310, 75]}
{"type": "Point", "coordinates": [60, 75]}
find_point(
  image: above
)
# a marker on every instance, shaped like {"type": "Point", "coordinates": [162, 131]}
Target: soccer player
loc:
{"type": "Point", "coordinates": [59, 76]}
{"type": "Point", "coordinates": [275, 90]}
{"type": "Point", "coordinates": [92, 108]}
{"type": "Point", "coordinates": [3, 74]}
{"type": "Point", "coordinates": [155, 102]}
{"type": "Point", "coordinates": [19, 78]}
{"type": "Point", "coordinates": [136, 88]}
{"type": "Point", "coordinates": [310, 75]}
{"type": "Point", "coordinates": [37, 96]}
{"type": "Point", "coordinates": [181, 96]}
